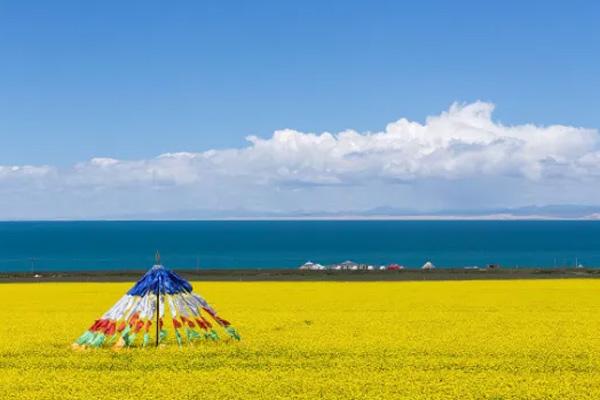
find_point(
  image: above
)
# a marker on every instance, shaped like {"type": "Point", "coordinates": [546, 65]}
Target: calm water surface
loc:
{"type": "Point", "coordinates": [45, 246]}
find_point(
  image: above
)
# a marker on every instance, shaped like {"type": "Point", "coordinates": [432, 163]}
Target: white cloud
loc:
{"type": "Point", "coordinates": [24, 172]}
{"type": "Point", "coordinates": [462, 147]}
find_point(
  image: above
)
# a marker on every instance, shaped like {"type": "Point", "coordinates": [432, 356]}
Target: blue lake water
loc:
{"type": "Point", "coordinates": [46, 246]}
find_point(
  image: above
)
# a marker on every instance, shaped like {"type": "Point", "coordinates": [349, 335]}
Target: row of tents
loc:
{"type": "Point", "coordinates": [352, 266]}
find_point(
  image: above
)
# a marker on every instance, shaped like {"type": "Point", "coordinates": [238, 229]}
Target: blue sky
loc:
{"type": "Point", "coordinates": [132, 81]}
{"type": "Point", "coordinates": [138, 79]}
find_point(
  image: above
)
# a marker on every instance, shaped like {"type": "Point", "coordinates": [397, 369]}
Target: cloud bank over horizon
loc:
{"type": "Point", "coordinates": [460, 159]}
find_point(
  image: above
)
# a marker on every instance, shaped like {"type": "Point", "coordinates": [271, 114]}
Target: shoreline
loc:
{"type": "Point", "coordinates": [296, 275]}
{"type": "Point", "coordinates": [495, 216]}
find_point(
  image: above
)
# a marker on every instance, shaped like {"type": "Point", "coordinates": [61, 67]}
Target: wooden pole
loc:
{"type": "Point", "coordinates": [157, 313]}
{"type": "Point", "coordinates": [157, 257]}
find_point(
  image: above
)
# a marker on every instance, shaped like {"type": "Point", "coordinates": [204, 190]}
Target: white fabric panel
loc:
{"type": "Point", "coordinates": [203, 304]}
{"type": "Point", "coordinates": [172, 307]}
{"type": "Point", "coordinates": [161, 300]}
{"type": "Point", "coordinates": [191, 304]}
{"type": "Point", "coordinates": [116, 309]}
{"type": "Point", "coordinates": [130, 303]}
{"type": "Point", "coordinates": [134, 307]}
{"type": "Point", "coordinates": [181, 306]}
{"type": "Point", "coordinates": [145, 308]}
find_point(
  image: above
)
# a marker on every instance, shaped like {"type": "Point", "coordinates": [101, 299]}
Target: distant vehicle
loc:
{"type": "Point", "coordinates": [395, 267]}
{"type": "Point", "coordinates": [493, 266]}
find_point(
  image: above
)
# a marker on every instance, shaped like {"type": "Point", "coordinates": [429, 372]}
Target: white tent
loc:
{"type": "Point", "coordinates": [349, 265]}
{"type": "Point", "coordinates": [428, 265]}
{"type": "Point", "coordinates": [307, 265]}
{"type": "Point", "coordinates": [312, 266]}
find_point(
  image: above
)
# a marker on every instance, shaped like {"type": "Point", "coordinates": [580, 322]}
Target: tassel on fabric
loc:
{"type": "Point", "coordinates": [112, 339]}
{"type": "Point", "coordinates": [162, 336]}
{"type": "Point", "coordinates": [233, 333]}
{"type": "Point", "coordinates": [192, 334]}
{"type": "Point", "coordinates": [85, 338]}
{"type": "Point", "coordinates": [98, 340]}
{"type": "Point", "coordinates": [130, 339]}
{"type": "Point", "coordinates": [212, 335]}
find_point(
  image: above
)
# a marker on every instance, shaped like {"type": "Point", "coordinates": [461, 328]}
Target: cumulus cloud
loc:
{"type": "Point", "coordinates": [462, 146]}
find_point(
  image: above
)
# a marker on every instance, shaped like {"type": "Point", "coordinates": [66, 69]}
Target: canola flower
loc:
{"type": "Point", "coordinates": [534, 339]}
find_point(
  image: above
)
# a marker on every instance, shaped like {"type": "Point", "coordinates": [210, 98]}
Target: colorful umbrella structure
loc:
{"type": "Point", "coordinates": [138, 318]}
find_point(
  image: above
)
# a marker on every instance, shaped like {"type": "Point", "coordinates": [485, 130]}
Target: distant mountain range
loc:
{"type": "Point", "coordinates": [526, 212]}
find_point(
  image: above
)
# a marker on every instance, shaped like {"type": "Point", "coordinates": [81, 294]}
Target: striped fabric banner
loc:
{"type": "Point", "coordinates": [132, 320]}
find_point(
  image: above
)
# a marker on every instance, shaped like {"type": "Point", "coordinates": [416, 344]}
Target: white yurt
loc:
{"type": "Point", "coordinates": [351, 265]}
{"type": "Point", "coordinates": [307, 265]}
{"type": "Point", "coordinates": [428, 266]}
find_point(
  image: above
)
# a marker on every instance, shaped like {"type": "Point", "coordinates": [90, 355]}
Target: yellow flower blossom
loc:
{"type": "Point", "coordinates": [534, 339]}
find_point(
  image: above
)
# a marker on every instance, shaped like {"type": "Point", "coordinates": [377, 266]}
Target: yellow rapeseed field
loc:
{"type": "Point", "coordinates": [418, 340]}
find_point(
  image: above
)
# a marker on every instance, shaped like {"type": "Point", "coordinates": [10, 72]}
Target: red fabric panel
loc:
{"type": "Point", "coordinates": [201, 324]}
{"type": "Point", "coordinates": [121, 326]}
{"type": "Point", "coordinates": [138, 326]}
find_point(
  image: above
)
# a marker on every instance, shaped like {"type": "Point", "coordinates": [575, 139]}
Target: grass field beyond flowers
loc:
{"type": "Point", "coordinates": [421, 340]}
